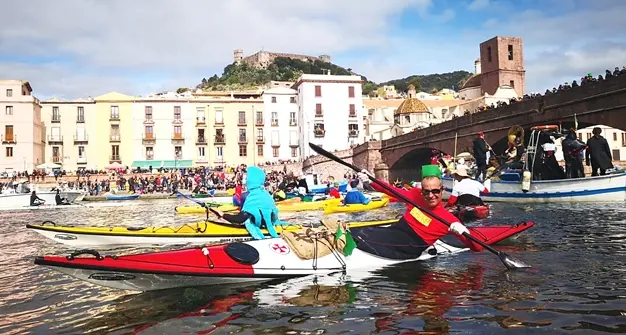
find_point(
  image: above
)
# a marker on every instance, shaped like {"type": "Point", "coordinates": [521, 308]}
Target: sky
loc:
{"type": "Point", "coordinates": [79, 48]}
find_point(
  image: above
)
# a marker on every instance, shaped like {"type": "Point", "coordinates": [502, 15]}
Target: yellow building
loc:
{"type": "Point", "coordinates": [113, 131]}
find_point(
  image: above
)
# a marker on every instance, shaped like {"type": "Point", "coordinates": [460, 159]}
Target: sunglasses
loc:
{"type": "Point", "coordinates": [435, 191]}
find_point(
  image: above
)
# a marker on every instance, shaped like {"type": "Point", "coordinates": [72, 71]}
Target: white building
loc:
{"type": "Point", "coordinates": [68, 125]}
{"type": "Point", "coordinates": [615, 137]}
{"type": "Point", "coordinates": [331, 111]}
{"type": "Point", "coordinates": [277, 126]}
{"type": "Point", "coordinates": [164, 130]}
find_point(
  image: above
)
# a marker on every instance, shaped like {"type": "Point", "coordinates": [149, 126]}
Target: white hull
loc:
{"type": "Point", "coordinates": [590, 189]}
{"type": "Point", "coordinates": [22, 200]}
{"type": "Point", "coordinates": [271, 265]}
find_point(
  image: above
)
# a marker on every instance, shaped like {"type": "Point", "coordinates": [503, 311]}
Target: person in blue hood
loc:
{"type": "Point", "coordinates": [354, 196]}
{"type": "Point", "coordinates": [259, 209]}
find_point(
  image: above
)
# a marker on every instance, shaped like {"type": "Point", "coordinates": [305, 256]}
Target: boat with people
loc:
{"type": "Point", "coordinates": [18, 197]}
{"type": "Point", "coordinates": [201, 232]}
{"type": "Point", "coordinates": [518, 185]}
{"type": "Point", "coordinates": [251, 261]}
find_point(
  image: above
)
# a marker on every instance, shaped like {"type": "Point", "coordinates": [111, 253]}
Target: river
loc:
{"type": "Point", "coordinates": [576, 284]}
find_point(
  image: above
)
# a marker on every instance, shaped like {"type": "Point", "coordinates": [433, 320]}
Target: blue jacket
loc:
{"type": "Point", "coordinates": [355, 196]}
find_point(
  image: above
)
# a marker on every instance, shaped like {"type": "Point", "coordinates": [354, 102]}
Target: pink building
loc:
{"type": "Point", "coordinates": [21, 130]}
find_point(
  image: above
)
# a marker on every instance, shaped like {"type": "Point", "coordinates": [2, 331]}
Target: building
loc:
{"type": "Point", "coordinates": [263, 59]}
{"type": "Point", "coordinates": [113, 131]}
{"type": "Point", "coordinates": [22, 137]}
{"type": "Point", "coordinates": [330, 111]}
{"type": "Point", "coordinates": [278, 128]}
{"type": "Point", "coordinates": [68, 126]}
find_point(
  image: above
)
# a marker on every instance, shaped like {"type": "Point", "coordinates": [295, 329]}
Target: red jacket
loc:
{"type": "Point", "coordinates": [426, 227]}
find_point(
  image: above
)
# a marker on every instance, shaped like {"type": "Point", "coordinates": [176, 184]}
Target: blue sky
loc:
{"type": "Point", "coordinates": [71, 49]}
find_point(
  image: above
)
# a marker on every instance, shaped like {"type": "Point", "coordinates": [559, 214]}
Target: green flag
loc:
{"type": "Point", "coordinates": [350, 244]}
{"type": "Point", "coordinates": [338, 233]}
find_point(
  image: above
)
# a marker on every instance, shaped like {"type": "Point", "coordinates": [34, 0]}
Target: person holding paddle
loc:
{"type": "Point", "coordinates": [416, 231]}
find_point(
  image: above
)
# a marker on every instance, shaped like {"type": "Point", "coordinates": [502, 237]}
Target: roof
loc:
{"type": "Point", "coordinates": [280, 90]}
{"type": "Point", "coordinates": [473, 81]}
{"type": "Point", "coordinates": [411, 105]}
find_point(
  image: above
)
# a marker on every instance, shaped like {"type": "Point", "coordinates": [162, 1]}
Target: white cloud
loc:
{"type": "Point", "coordinates": [478, 4]}
{"type": "Point", "coordinates": [145, 45]}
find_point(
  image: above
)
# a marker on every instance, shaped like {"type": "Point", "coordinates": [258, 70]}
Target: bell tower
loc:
{"type": "Point", "coordinates": [502, 64]}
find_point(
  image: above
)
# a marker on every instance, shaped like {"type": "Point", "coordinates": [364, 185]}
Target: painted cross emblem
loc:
{"type": "Point", "coordinates": [279, 248]}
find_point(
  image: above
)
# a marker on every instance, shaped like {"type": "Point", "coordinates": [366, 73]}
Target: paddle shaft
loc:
{"type": "Point", "coordinates": [399, 195]}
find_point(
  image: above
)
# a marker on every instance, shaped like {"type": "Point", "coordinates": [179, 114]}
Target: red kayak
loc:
{"type": "Point", "coordinates": [470, 213]}
{"type": "Point", "coordinates": [250, 261]}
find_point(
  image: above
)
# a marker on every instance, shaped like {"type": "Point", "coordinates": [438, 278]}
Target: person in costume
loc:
{"type": "Point", "coordinates": [258, 210]}
{"type": "Point", "coordinates": [467, 191]}
{"type": "Point", "coordinates": [416, 230]}
{"type": "Point", "coordinates": [354, 196]}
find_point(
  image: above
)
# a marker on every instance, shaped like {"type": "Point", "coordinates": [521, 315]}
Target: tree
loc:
{"type": "Point", "coordinates": [182, 90]}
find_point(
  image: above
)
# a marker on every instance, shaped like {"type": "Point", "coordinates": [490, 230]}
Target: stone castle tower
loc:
{"type": "Point", "coordinates": [502, 63]}
{"type": "Point", "coordinates": [324, 58]}
{"type": "Point", "coordinates": [238, 56]}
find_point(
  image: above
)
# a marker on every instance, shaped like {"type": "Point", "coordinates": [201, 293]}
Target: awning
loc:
{"type": "Point", "coordinates": [167, 164]}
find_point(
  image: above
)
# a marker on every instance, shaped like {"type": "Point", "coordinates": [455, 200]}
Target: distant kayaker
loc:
{"type": "Point", "coordinates": [259, 209]}
{"type": "Point", "coordinates": [239, 197]}
{"type": "Point", "coordinates": [354, 196]}
{"type": "Point", "coordinates": [35, 200]}
{"type": "Point", "coordinates": [59, 200]}
{"type": "Point", "coordinates": [334, 191]}
{"type": "Point", "coordinates": [467, 191]}
{"type": "Point", "coordinates": [416, 230]}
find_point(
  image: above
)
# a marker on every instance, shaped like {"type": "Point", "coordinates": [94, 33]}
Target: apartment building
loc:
{"type": "Point", "coordinates": [113, 131]}
{"type": "Point", "coordinates": [68, 126]}
{"type": "Point", "coordinates": [22, 137]}
{"type": "Point", "coordinates": [330, 111]}
{"type": "Point", "coordinates": [278, 127]}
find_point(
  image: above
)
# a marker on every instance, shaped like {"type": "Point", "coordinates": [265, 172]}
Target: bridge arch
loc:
{"type": "Point", "coordinates": [408, 167]}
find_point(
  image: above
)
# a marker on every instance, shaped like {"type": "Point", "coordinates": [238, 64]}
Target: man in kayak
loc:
{"type": "Point", "coordinates": [354, 196]}
{"type": "Point", "coordinates": [258, 210]}
{"type": "Point", "coordinates": [35, 200]}
{"type": "Point", "coordinates": [334, 191]}
{"type": "Point", "coordinates": [416, 230]}
{"type": "Point", "coordinates": [467, 191]}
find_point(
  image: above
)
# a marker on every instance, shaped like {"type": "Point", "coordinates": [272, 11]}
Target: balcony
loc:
{"type": "Point", "coordinates": [114, 138]}
{"type": "Point", "coordinates": [178, 138]}
{"type": "Point", "coordinates": [201, 140]}
{"type": "Point", "coordinates": [241, 123]}
{"type": "Point", "coordinates": [275, 144]}
{"type": "Point", "coordinates": [12, 139]}
{"type": "Point", "coordinates": [114, 118]}
{"type": "Point", "coordinates": [219, 123]}
{"type": "Point", "coordinates": [81, 160]}
{"type": "Point", "coordinates": [219, 139]}
{"type": "Point", "coordinates": [149, 157]}
{"type": "Point", "coordinates": [57, 159]}
{"type": "Point", "coordinates": [148, 138]}
{"type": "Point", "coordinates": [353, 133]}
{"type": "Point", "coordinates": [294, 143]}
{"type": "Point", "coordinates": [56, 119]}
{"type": "Point", "coordinates": [274, 123]}
{"type": "Point", "coordinates": [81, 139]}
{"type": "Point", "coordinates": [200, 121]}
{"type": "Point", "coordinates": [55, 139]}
{"type": "Point", "coordinates": [352, 114]}
{"type": "Point", "coordinates": [259, 122]}
{"type": "Point", "coordinates": [115, 158]}
{"type": "Point", "coordinates": [243, 139]}
{"type": "Point", "coordinates": [319, 114]}
{"type": "Point", "coordinates": [177, 120]}
{"type": "Point", "coordinates": [148, 121]}
{"type": "Point", "coordinates": [319, 132]}
{"type": "Point", "coordinates": [260, 139]}
{"type": "Point", "coordinates": [80, 119]}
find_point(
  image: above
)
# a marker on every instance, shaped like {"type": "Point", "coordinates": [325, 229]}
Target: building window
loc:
{"type": "Point", "coordinates": [8, 110]}
{"type": "Point", "coordinates": [489, 54]}
{"type": "Point", "coordinates": [318, 90]}
{"type": "Point", "coordinates": [149, 132]}
{"type": "Point", "coordinates": [8, 133]}
{"type": "Point", "coordinates": [588, 135]}
{"type": "Point", "coordinates": [115, 113]}
{"type": "Point", "coordinates": [242, 135]}
{"type": "Point", "coordinates": [259, 149]}
{"type": "Point", "coordinates": [56, 116]}
{"type": "Point", "coordinates": [219, 116]}
{"type": "Point", "coordinates": [259, 118]}
{"type": "Point", "coordinates": [352, 110]}
{"type": "Point", "coordinates": [178, 132]}
{"type": "Point", "coordinates": [81, 151]}
{"type": "Point", "coordinates": [200, 114]}
{"type": "Point", "coordinates": [201, 152]}
{"type": "Point", "coordinates": [614, 136]}
{"type": "Point", "coordinates": [580, 136]}
{"type": "Point", "coordinates": [275, 152]}
{"type": "Point", "coordinates": [148, 112]}
{"type": "Point", "coordinates": [178, 152]}
{"type": "Point", "coordinates": [274, 119]}
{"type": "Point", "coordinates": [292, 119]}
{"type": "Point", "coordinates": [242, 117]}
{"type": "Point", "coordinates": [9, 92]}
{"type": "Point", "coordinates": [115, 152]}
{"type": "Point", "coordinates": [292, 100]}
{"type": "Point", "coordinates": [259, 135]}
{"type": "Point", "coordinates": [510, 52]}
{"type": "Point", "coordinates": [512, 83]}
{"type": "Point", "coordinates": [243, 150]}
{"type": "Point", "coordinates": [350, 91]}
{"type": "Point", "coordinates": [9, 151]}
{"type": "Point", "coordinates": [177, 113]}
{"type": "Point", "coordinates": [219, 152]}
{"type": "Point", "coordinates": [624, 139]}
{"type": "Point", "coordinates": [149, 153]}
{"type": "Point", "coordinates": [294, 152]}
{"type": "Point", "coordinates": [273, 100]}
{"type": "Point", "coordinates": [318, 110]}
{"type": "Point", "coordinates": [80, 114]}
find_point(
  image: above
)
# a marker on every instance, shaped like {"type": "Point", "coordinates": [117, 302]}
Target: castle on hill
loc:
{"type": "Point", "coordinates": [263, 59]}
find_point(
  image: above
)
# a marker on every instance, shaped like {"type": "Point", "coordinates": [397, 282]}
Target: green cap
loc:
{"type": "Point", "coordinates": [431, 171]}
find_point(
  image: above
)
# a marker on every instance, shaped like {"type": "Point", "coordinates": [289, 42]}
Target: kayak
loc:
{"type": "Point", "coordinates": [236, 262]}
{"type": "Point", "coordinates": [201, 210]}
{"type": "Point", "coordinates": [353, 208]}
{"type": "Point", "coordinates": [122, 197]}
{"type": "Point", "coordinates": [470, 213]}
{"type": "Point", "coordinates": [201, 232]}
{"type": "Point", "coordinates": [306, 206]}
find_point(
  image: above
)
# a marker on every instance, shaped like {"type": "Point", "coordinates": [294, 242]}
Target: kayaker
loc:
{"type": "Point", "coordinates": [35, 200]}
{"type": "Point", "coordinates": [258, 210]}
{"type": "Point", "coordinates": [59, 200]}
{"type": "Point", "coordinates": [334, 191]}
{"type": "Point", "coordinates": [467, 191]}
{"type": "Point", "coordinates": [354, 196]}
{"type": "Point", "coordinates": [239, 197]}
{"type": "Point", "coordinates": [416, 230]}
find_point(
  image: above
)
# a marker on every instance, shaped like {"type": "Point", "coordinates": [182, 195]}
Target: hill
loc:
{"type": "Point", "coordinates": [242, 77]}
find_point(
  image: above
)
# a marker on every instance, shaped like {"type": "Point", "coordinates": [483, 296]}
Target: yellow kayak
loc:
{"type": "Point", "coordinates": [307, 206]}
{"type": "Point", "coordinates": [352, 208]}
{"type": "Point", "coordinates": [286, 205]}
{"type": "Point", "coordinates": [201, 210]}
{"type": "Point", "coordinates": [201, 232]}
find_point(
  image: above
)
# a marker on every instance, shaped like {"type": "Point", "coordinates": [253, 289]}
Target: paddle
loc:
{"type": "Point", "coordinates": [507, 260]}
{"type": "Point", "coordinates": [201, 203]}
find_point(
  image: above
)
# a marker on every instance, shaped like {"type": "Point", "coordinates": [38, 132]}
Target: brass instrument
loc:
{"type": "Point", "coordinates": [516, 135]}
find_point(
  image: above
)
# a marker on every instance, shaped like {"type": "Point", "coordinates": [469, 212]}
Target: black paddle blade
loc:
{"type": "Point", "coordinates": [512, 263]}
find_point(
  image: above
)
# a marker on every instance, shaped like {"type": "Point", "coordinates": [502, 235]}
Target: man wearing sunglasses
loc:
{"type": "Point", "coordinates": [416, 230]}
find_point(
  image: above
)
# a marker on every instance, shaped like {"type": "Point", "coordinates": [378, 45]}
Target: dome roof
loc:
{"type": "Point", "coordinates": [473, 81]}
{"type": "Point", "coordinates": [411, 105]}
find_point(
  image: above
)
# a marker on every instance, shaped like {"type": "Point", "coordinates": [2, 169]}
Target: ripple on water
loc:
{"type": "Point", "coordinates": [575, 284]}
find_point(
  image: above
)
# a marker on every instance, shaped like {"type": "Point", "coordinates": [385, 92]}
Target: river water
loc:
{"type": "Point", "coordinates": [576, 284]}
